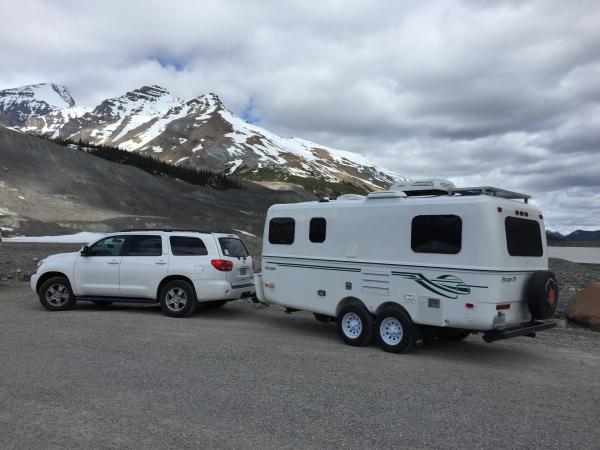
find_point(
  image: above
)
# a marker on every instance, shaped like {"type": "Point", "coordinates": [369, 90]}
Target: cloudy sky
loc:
{"type": "Point", "coordinates": [505, 93]}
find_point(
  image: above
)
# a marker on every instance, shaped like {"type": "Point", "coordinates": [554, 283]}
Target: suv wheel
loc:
{"type": "Point", "coordinates": [178, 299]}
{"type": "Point", "coordinates": [56, 294]}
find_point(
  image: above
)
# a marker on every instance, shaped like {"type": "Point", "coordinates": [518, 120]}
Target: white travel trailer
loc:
{"type": "Point", "coordinates": [423, 260]}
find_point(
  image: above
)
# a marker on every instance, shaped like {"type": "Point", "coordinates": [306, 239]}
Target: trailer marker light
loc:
{"type": "Point", "coordinates": [470, 305]}
{"type": "Point", "coordinates": [499, 209]}
{"type": "Point", "coordinates": [222, 265]}
{"type": "Point", "coordinates": [502, 306]}
{"type": "Point", "coordinates": [526, 214]}
{"type": "Point", "coordinates": [541, 217]}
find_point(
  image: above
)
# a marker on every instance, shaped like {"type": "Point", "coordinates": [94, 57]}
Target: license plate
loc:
{"type": "Point", "coordinates": [243, 271]}
{"type": "Point", "coordinates": [500, 319]}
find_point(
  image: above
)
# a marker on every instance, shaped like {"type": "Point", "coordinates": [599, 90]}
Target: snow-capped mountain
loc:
{"type": "Point", "coordinates": [200, 132]}
{"type": "Point", "coordinates": [21, 104]}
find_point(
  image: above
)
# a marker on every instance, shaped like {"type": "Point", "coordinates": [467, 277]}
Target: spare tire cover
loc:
{"type": "Point", "coordinates": [542, 294]}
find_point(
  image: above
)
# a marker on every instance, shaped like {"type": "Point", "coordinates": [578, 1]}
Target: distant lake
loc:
{"type": "Point", "coordinates": [576, 254]}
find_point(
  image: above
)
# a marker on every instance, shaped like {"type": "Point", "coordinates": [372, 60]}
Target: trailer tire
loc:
{"type": "Point", "coordinates": [396, 332]}
{"type": "Point", "coordinates": [542, 294]}
{"type": "Point", "coordinates": [355, 325]}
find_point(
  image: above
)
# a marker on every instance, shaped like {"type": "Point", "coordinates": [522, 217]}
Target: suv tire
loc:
{"type": "Point", "coordinates": [55, 294]}
{"type": "Point", "coordinates": [178, 299]}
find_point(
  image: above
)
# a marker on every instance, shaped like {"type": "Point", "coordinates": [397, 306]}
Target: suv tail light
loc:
{"type": "Point", "coordinates": [222, 265]}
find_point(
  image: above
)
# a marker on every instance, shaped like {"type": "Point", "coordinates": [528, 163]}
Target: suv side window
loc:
{"type": "Point", "coordinates": [145, 245]}
{"type": "Point", "coordinates": [187, 246]}
{"type": "Point", "coordinates": [110, 246]}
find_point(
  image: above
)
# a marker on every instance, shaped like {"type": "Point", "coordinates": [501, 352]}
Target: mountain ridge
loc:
{"type": "Point", "coordinates": [200, 132]}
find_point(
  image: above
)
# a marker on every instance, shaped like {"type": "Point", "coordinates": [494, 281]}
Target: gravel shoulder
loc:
{"type": "Point", "coordinates": [128, 377]}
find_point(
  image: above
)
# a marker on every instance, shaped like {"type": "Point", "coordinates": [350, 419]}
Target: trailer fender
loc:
{"type": "Point", "coordinates": [391, 305]}
{"type": "Point", "coordinates": [349, 301]}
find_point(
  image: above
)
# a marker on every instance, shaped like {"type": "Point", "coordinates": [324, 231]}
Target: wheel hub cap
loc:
{"type": "Point", "coordinates": [391, 331]}
{"type": "Point", "coordinates": [352, 325]}
{"type": "Point", "coordinates": [57, 294]}
{"type": "Point", "coordinates": [176, 299]}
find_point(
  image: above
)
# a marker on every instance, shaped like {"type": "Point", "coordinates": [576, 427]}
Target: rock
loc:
{"type": "Point", "coordinates": [561, 323]}
{"type": "Point", "coordinates": [585, 307]}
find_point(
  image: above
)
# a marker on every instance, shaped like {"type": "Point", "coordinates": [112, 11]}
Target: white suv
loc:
{"type": "Point", "coordinates": [179, 269]}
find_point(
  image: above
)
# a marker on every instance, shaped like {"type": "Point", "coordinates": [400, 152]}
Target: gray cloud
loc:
{"type": "Point", "coordinates": [491, 92]}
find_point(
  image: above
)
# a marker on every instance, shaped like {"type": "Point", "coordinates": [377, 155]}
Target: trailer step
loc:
{"type": "Point", "coordinates": [526, 329]}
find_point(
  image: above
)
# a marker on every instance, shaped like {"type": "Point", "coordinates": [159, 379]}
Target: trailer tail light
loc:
{"type": "Point", "coordinates": [541, 217]}
{"type": "Point", "coordinates": [470, 305]}
{"type": "Point", "coordinates": [502, 306]}
{"type": "Point", "coordinates": [222, 265]}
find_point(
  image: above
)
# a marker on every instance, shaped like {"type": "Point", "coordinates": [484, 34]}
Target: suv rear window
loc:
{"type": "Point", "coordinates": [145, 246]}
{"type": "Point", "coordinates": [233, 247]}
{"type": "Point", "coordinates": [523, 237]}
{"type": "Point", "coordinates": [187, 246]}
{"type": "Point", "coordinates": [436, 234]}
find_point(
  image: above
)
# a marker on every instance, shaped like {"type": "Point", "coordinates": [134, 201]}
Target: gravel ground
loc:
{"type": "Point", "coordinates": [244, 377]}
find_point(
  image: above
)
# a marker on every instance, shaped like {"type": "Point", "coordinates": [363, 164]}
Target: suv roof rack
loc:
{"type": "Point", "coordinates": [490, 190]}
{"type": "Point", "coordinates": [172, 230]}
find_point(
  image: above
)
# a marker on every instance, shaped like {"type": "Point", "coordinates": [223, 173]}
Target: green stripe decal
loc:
{"type": "Point", "coordinates": [449, 286]}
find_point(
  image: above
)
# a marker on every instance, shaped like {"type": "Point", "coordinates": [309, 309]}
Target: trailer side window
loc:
{"type": "Point", "coordinates": [436, 234]}
{"type": "Point", "coordinates": [318, 229]}
{"type": "Point", "coordinates": [281, 230]}
{"type": "Point", "coordinates": [523, 237]}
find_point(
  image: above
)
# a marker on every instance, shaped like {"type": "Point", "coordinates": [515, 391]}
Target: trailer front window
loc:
{"type": "Point", "coordinates": [282, 230]}
{"type": "Point", "coordinates": [523, 237]}
{"type": "Point", "coordinates": [436, 234]}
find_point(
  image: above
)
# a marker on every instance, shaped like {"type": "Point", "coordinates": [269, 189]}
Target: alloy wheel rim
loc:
{"type": "Point", "coordinates": [176, 299]}
{"type": "Point", "coordinates": [352, 325]}
{"type": "Point", "coordinates": [391, 331]}
{"type": "Point", "coordinates": [57, 294]}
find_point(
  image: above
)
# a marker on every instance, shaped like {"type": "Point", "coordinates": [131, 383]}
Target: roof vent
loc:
{"type": "Point", "coordinates": [351, 197]}
{"type": "Point", "coordinates": [432, 186]}
{"type": "Point", "coordinates": [386, 194]}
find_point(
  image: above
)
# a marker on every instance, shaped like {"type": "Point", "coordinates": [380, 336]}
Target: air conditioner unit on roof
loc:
{"type": "Point", "coordinates": [433, 186]}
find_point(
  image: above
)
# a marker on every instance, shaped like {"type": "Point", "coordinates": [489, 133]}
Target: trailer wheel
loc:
{"type": "Point", "coordinates": [395, 331]}
{"type": "Point", "coordinates": [542, 294]}
{"type": "Point", "coordinates": [355, 325]}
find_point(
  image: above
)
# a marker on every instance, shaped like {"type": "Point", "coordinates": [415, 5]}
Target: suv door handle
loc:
{"type": "Point", "coordinates": [160, 262]}
{"type": "Point", "coordinates": [113, 262]}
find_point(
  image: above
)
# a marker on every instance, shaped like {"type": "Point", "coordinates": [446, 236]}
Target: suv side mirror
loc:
{"type": "Point", "coordinates": [85, 251]}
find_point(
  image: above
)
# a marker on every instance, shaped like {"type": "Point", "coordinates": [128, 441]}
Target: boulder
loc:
{"type": "Point", "coordinates": [585, 307]}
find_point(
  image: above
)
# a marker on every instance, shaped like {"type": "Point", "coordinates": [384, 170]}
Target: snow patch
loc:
{"type": "Point", "coordinates": [84, 237]}
{"type": "Point", "coordinates": [245, 232]}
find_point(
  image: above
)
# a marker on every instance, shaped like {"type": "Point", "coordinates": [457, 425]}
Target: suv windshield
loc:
{"type": "Point", "coordinates": [233, 247]}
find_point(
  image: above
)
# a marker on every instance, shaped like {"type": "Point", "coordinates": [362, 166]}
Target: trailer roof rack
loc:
{"type": "Point", "coordinates": [490, 190]}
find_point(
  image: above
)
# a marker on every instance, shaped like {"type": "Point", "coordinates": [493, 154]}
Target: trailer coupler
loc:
{"type": "Point", "coordinates": [526, 329]}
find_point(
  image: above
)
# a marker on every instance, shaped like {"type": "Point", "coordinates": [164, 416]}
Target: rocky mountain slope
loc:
{"type": "Point", "coordinates": [200, 132]}
{"type": "Point", "coordinates": [51, 189]}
